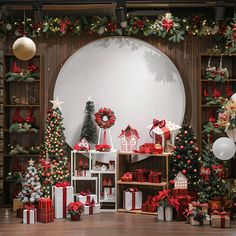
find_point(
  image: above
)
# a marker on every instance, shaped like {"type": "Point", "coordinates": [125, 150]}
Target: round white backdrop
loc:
{"type": "Point", "coordinates": [136, 80]}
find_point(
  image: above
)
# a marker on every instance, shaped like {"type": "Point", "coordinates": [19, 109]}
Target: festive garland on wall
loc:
{"type": "Point", "coordinates": [164, 26]}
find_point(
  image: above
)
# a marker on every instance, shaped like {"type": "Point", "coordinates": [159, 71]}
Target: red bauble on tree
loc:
{"type": "Point", "coordinates": [184, 172]}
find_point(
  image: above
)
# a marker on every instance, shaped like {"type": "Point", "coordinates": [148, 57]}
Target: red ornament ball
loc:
{"type": "Point", "coordinates": [188, 161]}
{"type": "Point", "coordinates": [185, 132]}
{"type": "Point", "coordinates": [181, 146]}
{"type": "Point", "coordinates": [196, 149]}
{"type": "Point", "coordinates": [191, 142]}
{"type": "Point", "coordinates": [195, 170]}
{"type": "Point", "coordinates": [171, 181]}
{"type": "Point", "coordinates": [47, 174]}
{"type": "Point", "coordinates": [178, 156]}
{"type": "Point", "coordinates": [184, 172]}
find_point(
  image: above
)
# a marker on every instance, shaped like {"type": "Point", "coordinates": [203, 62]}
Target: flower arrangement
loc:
{"type": "Point", "coordinates": [75, 208]}
{"type": "Point", "coordinates": [199, 215]}
{"type": "Point", "coordinates": [227, 118]}
{"type": "Point", "coordinates": [164, 199]}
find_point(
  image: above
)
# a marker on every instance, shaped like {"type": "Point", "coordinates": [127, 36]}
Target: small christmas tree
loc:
{"type": "Point", "coordinates": [185, 157]}
{"type": "Point", "coordinates": [89, 128]}
{"type": "Point", "coordinates": [31, 187]}
{"type": "Point", "coordinates": [54, 145]}
{"type": "Point", "coordinates": [211, 185]}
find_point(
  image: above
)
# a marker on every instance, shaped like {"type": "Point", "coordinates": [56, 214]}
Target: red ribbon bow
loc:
{"type": "Point", "coordinates": [215, 212]}
{"type": "Point", "coordinates": [157, 123]}
{"type": "Point", "coordinates": [85, 193]}
{"type": "Point", "coordinates": [29, 207]}
{"type": "Point", "coordinates": [62, 184]}
{"type": "Point", "coordinates": [167, 24]}
{"type": "Point", "coordinates": [205, 172]}
{"type": "Point", "coordinates": [132, 190]}
{"type": "Point", "coordinates": [45, 165]}
{"type": "Point", "coordinates": [90, 203]}
{"type": "Point", "coordinates": [198, 204]}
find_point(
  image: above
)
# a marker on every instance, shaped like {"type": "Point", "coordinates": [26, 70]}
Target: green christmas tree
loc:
{"type": "Point", "coordinates": [185, 157]}
{"type": "Point", "coordinates": [31, 187]}
{"type": "Point", "coordinates": [54, 145]}
{"type": "Point", "coordinates": [89, 128]}
{"type": "Point", "coordinates": [211, 185]}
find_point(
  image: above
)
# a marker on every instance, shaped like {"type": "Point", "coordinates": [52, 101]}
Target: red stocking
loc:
{"type": "Point", "coordinates": [15, 68]}
{"type": "Point", "coordinates": [16, 118]}
{"type": "Point", "coordinates": [30, 118]}
{"type": "Point", "coordinates": [205, 93]}
{"type": "Point", "coordinates": [228, 90]}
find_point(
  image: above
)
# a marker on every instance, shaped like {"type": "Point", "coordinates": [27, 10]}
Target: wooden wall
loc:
{"type": "Point", "coordinates": [185, 56]}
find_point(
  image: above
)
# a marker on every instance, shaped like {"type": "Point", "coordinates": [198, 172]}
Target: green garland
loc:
{"type": "Point", "coordinates": [163, 26]}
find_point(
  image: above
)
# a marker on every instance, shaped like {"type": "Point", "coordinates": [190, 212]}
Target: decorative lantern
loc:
{"type": "Point", "coordinates": [181, 181]}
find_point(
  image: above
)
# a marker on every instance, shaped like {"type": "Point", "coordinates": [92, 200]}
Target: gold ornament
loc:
{"type": "Point", "coordinates": [24, 48]}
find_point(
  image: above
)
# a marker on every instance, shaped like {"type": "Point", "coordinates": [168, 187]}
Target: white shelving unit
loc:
{"type": "Point", "coordinates": [96, 175]}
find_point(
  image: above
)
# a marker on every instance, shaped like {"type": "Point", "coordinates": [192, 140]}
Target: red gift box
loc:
{"type": "Point", "coordinates": [46, 218]}
{"type": "Point", "coordinates": [151, 208]}
{"type": "Point", "coordinates": [144, 207]}
{"type": "Point", "coordinates": [154, 177]}
{"type": "Point", "coordinates": [140, 175]}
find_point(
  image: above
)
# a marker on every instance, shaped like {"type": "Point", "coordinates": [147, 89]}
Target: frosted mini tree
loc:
{"type": "Point", "coordinates": [31, 187]}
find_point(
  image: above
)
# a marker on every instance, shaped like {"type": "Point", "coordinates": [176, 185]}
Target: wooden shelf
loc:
{"type": "Point", "coordinates": [220, 82]}
{"type": "Point", "coordinates": [102, 172]}
{"type": "Point", "coordinates": [137, 212]}
{"type": "Point", "coordinates": [28, 132]}
{"type": "Point", "coordinates": [162, 184]}
{"type": "Point", "coordinates": [27, 105]}
{"type": "Point", "coordinates": [23, 81]}
{"type": "Point", "coordinates": [217, 55]}
{"type": "Point", "coordinates": [144, 154]}
{"type": "Point", "coordinates": [211, 106]}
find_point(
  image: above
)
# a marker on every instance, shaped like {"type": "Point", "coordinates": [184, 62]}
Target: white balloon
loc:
{"type": "Point", "coordinates": [233, 97]}
{"type": "Point", "coordinates": [224, 148]}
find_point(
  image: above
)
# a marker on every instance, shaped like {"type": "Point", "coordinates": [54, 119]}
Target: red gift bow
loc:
{"type": "Point", "coordinates": [215, 212]}
{"type": "Point", "coordinates": [158, 123]}
{"type": "Point", "coordinates": [131, 189]}
{"type": "Point", "coordinates": [205, 172]}
{"type": "Point", "coordinates": [77, 147]}
{"type": "Point", "coordinates": [32, 68]}
{"type": "Point", "coordinates": [45, 165]}
{"type": "Point", "coordinates": [187, 213]}
{"type": "Point", "coordinates": [167, 24]}
{"type": "Point", "coordinates": [29, 207]}
{"type": "Point", "coordinates": [174, 202]}
{"type": "Point", "coordinates": [85, 193]}
{"type": "Point", "coordinates": [219, 170]}
{"type": "Point", "coordinates": [101, 147]}
{"type": "Point", "coordinates": [62, 184]}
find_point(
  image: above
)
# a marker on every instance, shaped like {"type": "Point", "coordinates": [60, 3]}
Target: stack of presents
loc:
{"type": "Point", "coordinates": [47, 209]}
{"type": "Point", "coordinates": [180, 204]}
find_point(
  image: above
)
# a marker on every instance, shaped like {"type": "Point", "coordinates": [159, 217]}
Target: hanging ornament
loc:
{"type": "Point", "coordinates": [24, 48]}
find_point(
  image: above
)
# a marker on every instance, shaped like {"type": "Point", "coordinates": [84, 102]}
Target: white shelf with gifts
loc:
{"type": "Point", "coordinates": [97, 172]}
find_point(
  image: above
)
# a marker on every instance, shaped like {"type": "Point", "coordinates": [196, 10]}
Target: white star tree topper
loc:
{"type": "Point", "coordinates": [31, 162]}
{"type": "Point", "coordinates": [56, 103]}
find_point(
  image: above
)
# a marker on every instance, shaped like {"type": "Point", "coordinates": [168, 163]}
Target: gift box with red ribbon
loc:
{"type": "Point", "coordinates": [62, 196]}
{"type": "Point", "coordinates": [29, 215]}
{"type": "Point", "coordinates": [45, 210]}
{"type": "Point", "coordinates": [140, 175]}
{"type": "Point", "coordinates": [154, 177]}
{"type": "Point", "coordinates": [86, 196]}
{"type": "Point", "coordinates": [109, 193]}
{"type": "Point", "coordinates": [220, 220]}
{"type": "Point", "coordinates": [91, 208]}
{"type": "Point", "coordinates": [148, 205]}
{"type": "Point", "coordinates": [203, 206]}
{"type": "Point", "coordinates": [132, 199]}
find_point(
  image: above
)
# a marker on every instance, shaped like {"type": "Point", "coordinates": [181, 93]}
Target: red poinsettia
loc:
{"type": "Point", "coordinates": [76, 208]}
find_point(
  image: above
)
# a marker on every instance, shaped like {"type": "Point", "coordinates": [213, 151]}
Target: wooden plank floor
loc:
{"type": "Point", "coordinates": [106, 224]}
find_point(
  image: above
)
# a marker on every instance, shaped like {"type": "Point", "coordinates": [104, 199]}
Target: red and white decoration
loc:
{"type": "Point", "coordinates": [132, 199]}
{"type": "Point", "coordinates": [29, 216]}
{"type": "Point", "coordinates": [163, 130]}
{"type": "Point", "coordinates": [84, 197]}
{"type": "Point", "coordinates": [109, 193]}
{"type": "Point", "coordinates": [83, 145]}
{"type": "Point", "coordinates": [128, 139]}
{"type": "Point", "coordinates": [181, 181]}
{"type": "Point", "coordinates": [91, 208]}
{"type": "Point", "coordinates": [62, 195]}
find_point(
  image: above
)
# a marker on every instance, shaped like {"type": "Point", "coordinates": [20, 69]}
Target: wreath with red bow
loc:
{"type": "Point", "coordinates": [105, 118]}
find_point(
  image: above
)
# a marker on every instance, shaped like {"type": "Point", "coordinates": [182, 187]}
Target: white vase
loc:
{"type": "Point", "coordinates": [165, 213]}
{"type": "Point", "coordinates": [231, 133]}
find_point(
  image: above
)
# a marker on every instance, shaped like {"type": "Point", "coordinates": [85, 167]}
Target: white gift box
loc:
{"type": "Point", "coordinates": [109, 193]}
{"type": "Point", "coordinates": [87, 198]}
{"type": "Point", "coordinates": [83, 173]}
{"type": "Point", "coordinates": [62, 196]}
{"type": "Point", "coordinates": [195, 222]}
{"type": "Point", "coordinates": [29, 216]}
{"type": "Point", "coordinates": [89, 210]}
{"type": "Point", "coordinates": [165, 213]}
{"type": "Point", "coordinates": [132, 200]}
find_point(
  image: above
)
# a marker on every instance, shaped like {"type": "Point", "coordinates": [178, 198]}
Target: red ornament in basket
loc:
{"type": "Point", "coordinates": [103, 147]}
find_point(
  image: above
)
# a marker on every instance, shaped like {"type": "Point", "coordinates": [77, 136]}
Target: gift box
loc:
{"type": "Point", "coordinates": [220, 220]}
{"type": "Point", "coordinates": [192, 221]}
{"type": "Point", "coordinates": [165, 213]}
{"type": "Point", "coordinates": [154, 177]}
{"type": "Point", "coordinates": [83, 173]}
{"type": "Point", "coordinates": [151, 208]}
{"type": "Point", "coordinates": [92, 209]}
{"type": "Point", "coordinates": [183, 205]}
{"type": "Point", "coordinates": [19, 213]}
{"type": "Point", "coordinates": [29, 216]}
{"type": "Point", "coordinates": [132, 199]}
{"type": "Point", "coordinates": [144, 207]}
{"type": "Point", "coordinates": [46, 217]}
{"type": "Point", "coordinates": [109, 193]}
{"type": "Point", "coordinates": [140, 175]}
{"type": "Point", "coordinates": [193, 205]}
{"type": "Point", "coordinates": [227, 203]}
{"type": "Point", "coordinates": [17, 203]}
{"type": "Point", "coordinates": [83, 198]}
{"type": "Point", "coordinates": [62, 196]}
{"type": "Point", "coordinates": [44, 204]}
